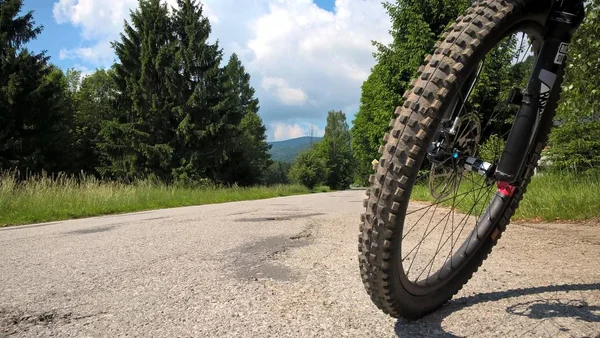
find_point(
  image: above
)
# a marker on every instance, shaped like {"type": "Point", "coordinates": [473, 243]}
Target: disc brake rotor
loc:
{"type": "Point", "coordinates": [466, 140]}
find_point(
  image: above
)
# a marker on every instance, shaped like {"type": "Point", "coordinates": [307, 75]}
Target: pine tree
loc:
{"type": "Point", "coordinates": [249, 159]}
{"type": "Point", "coordinates": [138, 141]}
{"type": "Point", "coordinates": [35, 113]}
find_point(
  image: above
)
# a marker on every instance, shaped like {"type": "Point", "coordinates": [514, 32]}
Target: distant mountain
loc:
{"type": "Point", "coordinates": [286, 151]}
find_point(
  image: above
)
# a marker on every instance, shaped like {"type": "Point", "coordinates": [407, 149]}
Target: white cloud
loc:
{"type": "Point", "coordinates": [304, 61]}
{"type": "Point", "coordinates": [286, 94]}
{"type": "Point", "coordinates": [326, 54]}
{"type": "Point", "coordinates": [100, 53]}
{"type": "Point", "coordinates": [284, 131]}
{"type": "Point", "coordinates": [97, 19]}
{"type": "Point", "coordinates": [85, 71]}
{"type": "Point", "coordinates": [102, 18]}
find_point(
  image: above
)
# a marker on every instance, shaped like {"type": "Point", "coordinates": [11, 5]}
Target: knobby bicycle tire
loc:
{"type": "Point", "coordinates": [456, 55]}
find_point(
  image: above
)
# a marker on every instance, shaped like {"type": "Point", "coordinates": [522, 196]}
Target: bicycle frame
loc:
{"type": "Point", "coordinates": [542, 89]}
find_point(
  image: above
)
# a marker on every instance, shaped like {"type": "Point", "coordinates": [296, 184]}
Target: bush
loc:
{"type": "Point", "coordinates": [309, 169]}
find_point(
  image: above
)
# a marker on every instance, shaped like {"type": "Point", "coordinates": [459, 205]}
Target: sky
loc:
{"type": "Point", "coordinates": [305, 57]}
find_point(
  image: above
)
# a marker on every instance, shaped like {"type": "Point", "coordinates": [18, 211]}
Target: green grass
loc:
{"type": "Point", "coordinates": [552, 196]}
{"type": "Point", "coordinates": [561, 197]}
{"type": "Point", "coordinates": [42, 199]}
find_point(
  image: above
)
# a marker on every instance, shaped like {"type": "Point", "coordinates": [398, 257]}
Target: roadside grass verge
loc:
{"type": "Point", "coordinates": [44, 199]}
{"type": "Point", "coordinates": [550, 197]}
{"type": "Point", "coordinates": [562, 196]}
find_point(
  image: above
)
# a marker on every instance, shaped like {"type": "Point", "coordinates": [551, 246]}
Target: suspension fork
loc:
{"type": "Point", "coordinates": [543, 86]}
{"type": "Point", "coordinates": [453, 114]}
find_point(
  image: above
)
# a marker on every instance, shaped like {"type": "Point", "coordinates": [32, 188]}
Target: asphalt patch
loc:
{"type": "Point", "coordinates": [258, 260]}
{"type": "Point", "coordinates": [92, 230]}
{"type": "Point", "coordinates": [12, 322]}
{"type": "Point", "coordinates": [278, 218]}
{"type": "Point", "coordinates": [153, 219]}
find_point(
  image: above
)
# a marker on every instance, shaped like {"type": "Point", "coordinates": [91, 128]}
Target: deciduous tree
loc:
{"type": "Point", "coordinates": [575, 143]}
{"type": "Point", "coordinates": [335, 148]}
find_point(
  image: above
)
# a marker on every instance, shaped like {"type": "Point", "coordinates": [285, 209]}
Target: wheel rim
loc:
{"type": "Point", "coordinates": [456, 206]}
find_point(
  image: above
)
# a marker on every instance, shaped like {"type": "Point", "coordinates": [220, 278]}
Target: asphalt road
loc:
{"type": "Point", "coordinates": [284, 267]}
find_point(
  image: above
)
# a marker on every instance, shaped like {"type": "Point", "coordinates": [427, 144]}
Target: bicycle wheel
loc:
{"type": "Point", "coordinates": [419, 245]}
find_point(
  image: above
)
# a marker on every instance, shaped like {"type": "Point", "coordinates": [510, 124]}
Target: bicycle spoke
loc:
{"type": "Point", "coordinates": [463, 221]}
{"type": "Point", "coordinates": [438, 250]}
{"type": "Point", "coordinates": [459, 198]}
{"type": "Point", "coordinates": [419, 245]}
{"type": "Point", "coordinates": [417, 222]}
{"type": "Point", "coordinates": [442, 235]}
{"type": "Point", "coordinates": [429, 207]}
{"type": "Point", "coordinates": [436, 202]}
{"type": "Point", "coordinates": [426, 234]}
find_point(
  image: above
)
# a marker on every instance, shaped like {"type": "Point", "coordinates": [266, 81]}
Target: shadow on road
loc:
{"type": "Point", "coordinates": [538, 309]}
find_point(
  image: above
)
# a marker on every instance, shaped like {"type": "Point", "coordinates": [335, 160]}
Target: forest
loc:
{"type": "Point", "coordinates": [166, 110]}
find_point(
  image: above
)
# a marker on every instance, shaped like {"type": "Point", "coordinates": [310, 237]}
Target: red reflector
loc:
{"type": "Point", "coordinates": [506, 189]}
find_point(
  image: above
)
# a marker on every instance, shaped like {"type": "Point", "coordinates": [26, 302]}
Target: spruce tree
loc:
{"type": "Point", "coordinates": [138, 141]}
{"type": "Point", "coordinates": [35, 112]}
{"type": "Point", "coordinates": [207, 115]}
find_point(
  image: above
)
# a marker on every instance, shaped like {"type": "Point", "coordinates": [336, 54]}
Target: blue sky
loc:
{"type": "Point", "coordinates": [55, 36]}
{"type": "Point", "coordinates": [326, 4]}
{"type": "Point", "coordinates": [64, 36]}
{"type": "Point", "coordinates": [305, 57]}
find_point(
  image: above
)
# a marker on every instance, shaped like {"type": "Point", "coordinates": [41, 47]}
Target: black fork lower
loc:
{"type": "Point", "coordinates": [542, 88]}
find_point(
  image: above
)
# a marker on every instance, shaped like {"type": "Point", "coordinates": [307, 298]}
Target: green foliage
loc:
{"type": "Point", "coordinates": [176, 114]}
{"type": "Point", "coordinates": [207, 113]}
{"type": "Point", "coordinates": [165, 111]}
{"type": "Point", "coordinates": [335, 149]}
{"type": "Point", "coordinates": [35, 113]}
{"type": "Point", "coordinates": [248, 157]}
{"type": "Point", "coordinates": [277, 173]}
{"type": "Point", "coordinates": [416, 26]}
{"type": "Point", "coordinates": [575, 143]}
{"type": "Point", "coordinates": [504, 68]}
{"type": "Point", "coordinates": [491, 149]}
{"type": "Point", "coordinates": [144, 107]}
{"type": "Point", "coordinates": [93, 96]}
{"type": "Point", "coordinates": [309, 169]}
